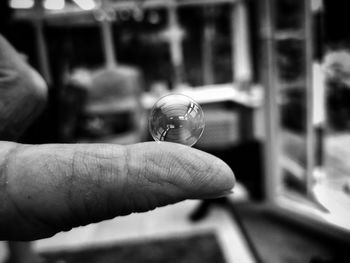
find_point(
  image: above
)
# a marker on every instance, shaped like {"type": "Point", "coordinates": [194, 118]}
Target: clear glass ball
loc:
{"type": "Point", "coordinates": [176, 118]}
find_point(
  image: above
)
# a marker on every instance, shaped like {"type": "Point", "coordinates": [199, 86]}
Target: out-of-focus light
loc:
{"type": "Point", "coordinates": [22, 4]}
{"type": "Point", "coordinates": [54, 4]}
{"type": "Point", "coordinates": [316, 5]}
{"type": "Point", "coordinates": [86, 4]}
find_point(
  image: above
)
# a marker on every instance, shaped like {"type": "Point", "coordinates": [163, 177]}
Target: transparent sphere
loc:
{"type": "Point", "coordinates": [176, 118]}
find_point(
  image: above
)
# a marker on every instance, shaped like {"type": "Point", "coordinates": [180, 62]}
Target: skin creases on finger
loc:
{"type": "Point", "coordinates": [194, 172]}
{"type": "Point", "coordinates": [58, 187]}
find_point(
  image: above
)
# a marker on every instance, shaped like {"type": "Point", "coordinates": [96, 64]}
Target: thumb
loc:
{"type": "Point", "coordinates": [22, 92]}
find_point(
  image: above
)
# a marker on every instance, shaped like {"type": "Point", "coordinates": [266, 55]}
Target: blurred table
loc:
{"type": "Point", "coordinates": [279, 241]}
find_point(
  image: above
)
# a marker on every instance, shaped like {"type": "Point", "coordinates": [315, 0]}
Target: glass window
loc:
{"type": "Point", "coordinates": [307, 99]}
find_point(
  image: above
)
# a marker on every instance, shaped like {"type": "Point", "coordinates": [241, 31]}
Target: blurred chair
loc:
{"type": "Point", "coordinates": [104, 106]}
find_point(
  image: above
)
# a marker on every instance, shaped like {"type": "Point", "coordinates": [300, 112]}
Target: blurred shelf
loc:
{"type": "Point", "coordinates": [73, 14]}
{"type": "Point", "coordinates": [289, 35]}
{"type": "Point", "coordinates": [252, 98]}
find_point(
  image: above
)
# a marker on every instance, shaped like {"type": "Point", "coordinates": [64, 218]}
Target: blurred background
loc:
{"type": "Point", "coordinates": [273, 79]}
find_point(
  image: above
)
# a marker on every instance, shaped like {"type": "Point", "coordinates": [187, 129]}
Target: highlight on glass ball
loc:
{"type": "Point", "coordinates": [176, 118]}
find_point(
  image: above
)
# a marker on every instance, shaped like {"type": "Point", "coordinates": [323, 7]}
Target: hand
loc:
{"type": "Point", "coordinates": [45, 189]}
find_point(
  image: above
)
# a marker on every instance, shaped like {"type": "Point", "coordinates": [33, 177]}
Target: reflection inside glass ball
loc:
{"type": "Point", "coordinates": [176, 118]}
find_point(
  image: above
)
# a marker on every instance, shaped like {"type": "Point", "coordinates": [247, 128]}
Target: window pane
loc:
{"type": "Point", "coordinates": [291, 80]}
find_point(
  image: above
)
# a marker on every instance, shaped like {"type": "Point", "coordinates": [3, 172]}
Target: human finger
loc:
{"type": "Point", "coordinates": [23, 92]}
{"type": "Point", "coordinates": [50, 188]}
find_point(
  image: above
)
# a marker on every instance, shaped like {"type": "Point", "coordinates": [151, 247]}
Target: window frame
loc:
{"type": "Point", "coordinates": [296, 209]}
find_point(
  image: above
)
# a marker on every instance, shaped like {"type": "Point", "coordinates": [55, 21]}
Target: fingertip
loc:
{"type": "Point", "coordinates": [219, 178]}
{"type": "Point", "coordinates": [197, 173]}
{"type": "Point", "coordinates": [228, 178]}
